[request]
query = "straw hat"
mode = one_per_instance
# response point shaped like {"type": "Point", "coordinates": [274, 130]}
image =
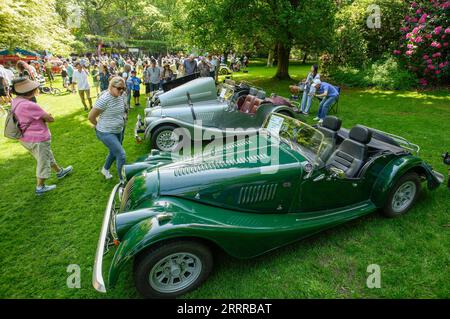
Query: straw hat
{"type": "Point", "coordinates": [25, 85]}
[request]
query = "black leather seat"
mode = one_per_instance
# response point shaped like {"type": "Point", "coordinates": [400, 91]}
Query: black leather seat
{"type": "Point", "coordinates": [330, 127]}
{"type": "Point", "coordinates": [351, 155]}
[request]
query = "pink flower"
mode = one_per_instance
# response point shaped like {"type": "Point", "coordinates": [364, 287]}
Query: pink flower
{"type": "Point", "coordinates": [436, 55]}
{"type": "Point", "coordinates": [431, 67]}
{"type": "Point", "coordinates": [429, 61]}
{"type": "Point", "coordinates": [415, 30]}
{"type": "Point", "coordinates": [428, 36]}
{"type": "Point", "coordinates": [397, 52]}
{"type": "Point", "coordinates": [419, 39]}
{"type": "Point", "coordinates": [410, 46]}
{"type": "Point", "coordinates": [409, 52]}
{"type": "Point", "coordinates": [423, 82]}
{"type": "Point", "coordinates": [426, 57]}
{"type": "Point", "coordinates": [446, 44]}
{"type": "Point", "coordinates": [447, 31]}
{"type": "Point", "coordinates": [441, 65]}
{"type": "Point", "coordinates": [409, 35]}
{"type": "Point", "coordinates": [419, 11]}
{"type": "Point", "coordinates": [423, 18]}
{"type": "Point", "coordinates": [437, 30]}
{"type": "Point", "coordinates": [438, 72]}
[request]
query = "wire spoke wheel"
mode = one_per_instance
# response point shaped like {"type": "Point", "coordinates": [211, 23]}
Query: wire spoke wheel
{"type": "Point", "coordinates": [166, 140]}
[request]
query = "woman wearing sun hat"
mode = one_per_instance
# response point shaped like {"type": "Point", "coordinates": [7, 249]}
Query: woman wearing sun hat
{"type": "Point", "coordinates": [36, 137]}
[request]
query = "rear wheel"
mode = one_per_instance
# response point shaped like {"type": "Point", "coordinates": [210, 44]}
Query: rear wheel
{"type": "Point", "coordinates": [403, 195]}
{"type": "Point", "coordinates": [172, 269]}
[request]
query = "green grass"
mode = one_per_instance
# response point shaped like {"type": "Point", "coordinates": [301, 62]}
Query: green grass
{"type": "Point", "coordinates": [40, 237]}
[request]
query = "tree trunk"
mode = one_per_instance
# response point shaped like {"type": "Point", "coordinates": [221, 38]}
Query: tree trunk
{"type": "Point", "coordinates": [270, 59]}
{"type": "Point", "coordinates": [283, 62]}
{"type": "Point", "coordinates": [304, 58]}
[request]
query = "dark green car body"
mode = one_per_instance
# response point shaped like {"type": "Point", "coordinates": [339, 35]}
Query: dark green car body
{"type": "Point", "coordinates": [245, 205]}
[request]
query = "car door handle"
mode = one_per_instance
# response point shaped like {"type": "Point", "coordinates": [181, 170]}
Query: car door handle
{"type": "Point", "coordinates": [319, 178]}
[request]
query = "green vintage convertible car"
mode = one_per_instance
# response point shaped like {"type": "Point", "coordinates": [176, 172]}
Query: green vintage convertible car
{"type": "Point", "coordinates": [249, 197]}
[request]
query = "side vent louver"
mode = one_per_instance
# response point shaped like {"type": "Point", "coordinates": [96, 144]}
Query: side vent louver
{"type": "Point", "coordinates": [256, 194]}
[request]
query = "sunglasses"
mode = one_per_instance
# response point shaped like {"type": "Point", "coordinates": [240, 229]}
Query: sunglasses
{"type": "Point", "coordinates": [120, 89]}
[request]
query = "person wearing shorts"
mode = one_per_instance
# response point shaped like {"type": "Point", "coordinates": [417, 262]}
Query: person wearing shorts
{"type": "Point", "coordinates": [36, 137]}
{"type": "Point", "coordinates": [136, 87]}
{"type": "Point", "coordinates": [80, 77]}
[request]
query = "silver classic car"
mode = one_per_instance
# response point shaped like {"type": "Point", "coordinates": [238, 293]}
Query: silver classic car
{"type": "Point", "coordinates": [205, 111]}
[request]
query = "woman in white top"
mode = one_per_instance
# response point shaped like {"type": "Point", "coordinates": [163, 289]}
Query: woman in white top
{"type": "Point", "coordinates": [308, 89]}
{"type": "Point", "coordinates": [109, 117]}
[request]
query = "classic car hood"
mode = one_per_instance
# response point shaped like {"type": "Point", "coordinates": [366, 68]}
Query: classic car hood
{"type": "Point", "coordinates": [201, 89]}
{"type": "Point", "coordinates": [242, 176]}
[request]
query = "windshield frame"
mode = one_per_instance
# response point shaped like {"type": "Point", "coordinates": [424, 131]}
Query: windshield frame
{"type": "Point", "coordinates": [312, 155]}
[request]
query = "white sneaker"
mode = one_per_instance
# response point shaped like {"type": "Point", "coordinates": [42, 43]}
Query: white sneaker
{"type": "Point", "coordinates": [106, 173]}
{"type": "Point", "coordinates": [320, 121]}
{"type": "Point", "coordinates": [316, 119]}
{"type": "Point", "coordinates": [40, 190]}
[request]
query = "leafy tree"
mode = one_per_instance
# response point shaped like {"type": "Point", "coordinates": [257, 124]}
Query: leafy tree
{"type": "Point", "coordinates": [355, 44]}
{"type": "Point", "coordinates": [33, 25]}
{"type": "Point", "coordinates": [283, 24]}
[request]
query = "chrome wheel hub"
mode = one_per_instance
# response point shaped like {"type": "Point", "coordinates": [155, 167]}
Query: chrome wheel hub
{"type": "Point", "coordinates": [404, 196]}
{"type": "Point", "coordinates": [166, 140]}
{"type": "Point", "coordinates": [175, 272]}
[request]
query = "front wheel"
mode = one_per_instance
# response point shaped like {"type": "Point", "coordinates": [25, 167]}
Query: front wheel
{"type": "Point", "coordinates": [172, 269]}
{"type": "Point", "coordinates": [165, 139]}
{"type": "Point", "coordinates": [402, 196]}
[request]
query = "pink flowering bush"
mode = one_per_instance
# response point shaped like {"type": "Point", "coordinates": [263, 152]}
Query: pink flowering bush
{"type": "Point", "coordinates": [424, 45]}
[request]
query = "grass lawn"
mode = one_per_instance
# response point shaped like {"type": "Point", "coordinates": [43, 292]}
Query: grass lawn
{"type": "Point", "coordinates": [41, 236]}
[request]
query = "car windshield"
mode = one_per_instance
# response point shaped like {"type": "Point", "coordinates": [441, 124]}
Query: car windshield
{"type": "Point", "coordinates": [300, 136]}
{"type": "Point", "coordinates": [225, 92]}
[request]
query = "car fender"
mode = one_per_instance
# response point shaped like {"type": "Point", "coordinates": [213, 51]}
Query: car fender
{"type": "Point", "coordinates": [194, 129]}
{"type": "Point", "coordinates": [395, 169]}
{"type": "Point", "coordinates": [155, 228]}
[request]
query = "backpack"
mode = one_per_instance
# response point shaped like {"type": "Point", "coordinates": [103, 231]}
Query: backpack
{"type": "Point", "coordinates": [12, 126]}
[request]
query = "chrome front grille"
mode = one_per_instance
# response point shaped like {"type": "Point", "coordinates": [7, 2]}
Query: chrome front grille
{"type": "Point", "coordinates": [126, 199]}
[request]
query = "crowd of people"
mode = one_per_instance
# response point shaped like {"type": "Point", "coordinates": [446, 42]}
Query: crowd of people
{"type": "Point", "coordinates": [117, 82]}
{"type": "Point", "coordinates": [116, 79]}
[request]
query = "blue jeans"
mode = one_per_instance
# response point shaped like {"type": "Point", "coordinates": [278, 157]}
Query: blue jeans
{"type": "Point", "coordinates": [325, 105]}
{"type": "Point", "coordinates": [154, 87]}
{"type": "Point", "coordinates": [306, 102]}
{"type": "Point", "coordinates": [113, 141]}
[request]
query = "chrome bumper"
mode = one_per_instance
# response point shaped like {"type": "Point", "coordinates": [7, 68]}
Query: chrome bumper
{"type": "Point", "coordinates": [439, 177]}
{"type": "Point", "coordinates": [97, 275]}
{"type": "Point", "coordinates": [138, 128]}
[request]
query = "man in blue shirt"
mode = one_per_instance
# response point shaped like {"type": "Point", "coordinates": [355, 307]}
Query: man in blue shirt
{"type": "Point", "coordinates": [329, 95]}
